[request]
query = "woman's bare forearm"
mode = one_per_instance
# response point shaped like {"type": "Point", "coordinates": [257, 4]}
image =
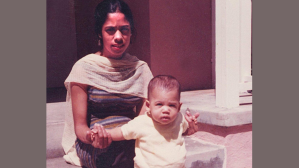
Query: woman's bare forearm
{"type": "Point", "coordinates": [79, 106]}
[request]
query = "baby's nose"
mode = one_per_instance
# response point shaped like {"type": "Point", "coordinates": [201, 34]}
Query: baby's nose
{"type": "Point", "coordinates": [166, 110]}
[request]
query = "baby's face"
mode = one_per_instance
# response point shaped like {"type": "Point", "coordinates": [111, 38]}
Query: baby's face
{"type": "Point", "coordinates": [164, 105]}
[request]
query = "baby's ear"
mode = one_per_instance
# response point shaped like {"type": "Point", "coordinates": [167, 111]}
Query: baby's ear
{"type": "Point", "coordinates": [147, 103]}
{"type": "Point", "coordinates": [147, 106]}
{"type": "Point", "coordinates": [180, 106]}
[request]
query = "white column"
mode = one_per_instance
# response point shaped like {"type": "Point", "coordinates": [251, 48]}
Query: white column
{"type": "Point", "coordinates": [227, 52]}
{"type": "Point", "coordinates": [245, 46]}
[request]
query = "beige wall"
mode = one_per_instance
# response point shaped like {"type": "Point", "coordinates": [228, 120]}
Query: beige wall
{"type": "Point", "coordinates": [173, 36]}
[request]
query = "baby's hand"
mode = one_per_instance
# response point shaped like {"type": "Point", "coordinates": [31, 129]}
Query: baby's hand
{"type": "Point", "coordinates": [99, 137]}
{"type": "Point", "coordinates": [192, 121]}
{"type": "Point", "coordinates": [92, 134]}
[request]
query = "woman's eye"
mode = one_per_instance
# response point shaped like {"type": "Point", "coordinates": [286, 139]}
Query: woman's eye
{"type": "Point", "coordinates": [110, 31]}
{"type": "Point", "coordinates": [125, 31]}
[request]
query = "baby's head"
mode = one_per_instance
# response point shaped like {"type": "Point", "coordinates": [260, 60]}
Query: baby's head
{"type": "Point", "coordinates": [164, 99]}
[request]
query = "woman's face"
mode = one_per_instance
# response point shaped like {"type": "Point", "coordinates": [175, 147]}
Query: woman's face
{"type": "Point", "coordinates": [116, 35]}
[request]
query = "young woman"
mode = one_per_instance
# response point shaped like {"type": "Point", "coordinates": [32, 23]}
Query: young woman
{"type": "Point", "coordinates": [107, 87]}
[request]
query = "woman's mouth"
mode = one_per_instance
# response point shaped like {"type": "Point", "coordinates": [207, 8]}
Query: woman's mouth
{"type": "Point", "coordinates": [117, 47]}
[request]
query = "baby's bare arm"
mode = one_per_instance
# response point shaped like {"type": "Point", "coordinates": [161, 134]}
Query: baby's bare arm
{"type": "Point", "coordinates": [116, 134]}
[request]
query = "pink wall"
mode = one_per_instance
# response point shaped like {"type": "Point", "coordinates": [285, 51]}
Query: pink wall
{"type": "Point", "coordinates": [141, 43]}
{"type": "Point", "coordinates": [85, 34]}
{"type": "Point", "coordinates": [181, 41]}
{"type": "Point", "coordinates": [236, 139]}
{"type": "Point", "coordinates": [61, 41]}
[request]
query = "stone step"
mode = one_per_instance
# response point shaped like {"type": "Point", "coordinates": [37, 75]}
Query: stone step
{"type": "Point", "coordinates": [204, 103]}
{"type": "Point", "coordinates": [54, 137]}
{"type": "Point", "coordinates": [55, 125]}
{"type": "Point", "coordinates": [58, 163]}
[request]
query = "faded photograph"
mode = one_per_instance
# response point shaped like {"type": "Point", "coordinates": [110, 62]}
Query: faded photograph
{"type": "Point", "coordinates": [149, 83]}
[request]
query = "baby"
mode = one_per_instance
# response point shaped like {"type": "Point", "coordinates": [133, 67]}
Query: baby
{"type": "Point", "coordinates": [158, 133]}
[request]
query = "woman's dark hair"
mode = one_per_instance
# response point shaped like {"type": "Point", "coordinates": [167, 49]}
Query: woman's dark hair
{"type": "Point", "coordinates": [111, 6]}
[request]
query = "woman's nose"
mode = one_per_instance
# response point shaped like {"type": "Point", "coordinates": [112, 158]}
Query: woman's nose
{"type": "Point", "coordinates": [118, 37]}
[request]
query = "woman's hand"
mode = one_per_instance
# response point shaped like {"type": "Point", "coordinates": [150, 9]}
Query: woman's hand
{"type": "Point", "coordinates": [192, 121]}
{"type": "Point", "coordinates": [99, 137]}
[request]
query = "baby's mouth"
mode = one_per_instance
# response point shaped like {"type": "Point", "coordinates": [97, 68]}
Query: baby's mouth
{"type": "Point", "coordinates": [165, 118]}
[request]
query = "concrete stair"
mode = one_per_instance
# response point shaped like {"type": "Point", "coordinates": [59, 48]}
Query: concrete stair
{"type": "Point", "coordinates": [58, 163]}
{"type": "Point", "coordinates": [199, 153]}
{"type": "Point", "coordinates": [55, 126]}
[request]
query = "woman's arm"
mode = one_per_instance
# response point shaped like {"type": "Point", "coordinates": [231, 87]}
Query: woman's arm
{"type": "Point", "coordinates": [141, 108]}
{"type": "Point", "coordinates": [79, 106]}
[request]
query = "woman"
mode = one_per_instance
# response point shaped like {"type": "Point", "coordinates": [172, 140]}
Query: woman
{"type": "Point", "coordinates": [109, 88]}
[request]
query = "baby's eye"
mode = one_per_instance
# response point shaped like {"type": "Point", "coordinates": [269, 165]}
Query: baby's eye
{"type": "Point", "coordinates": [159, 104]}
{"type": "Point", "coordinates": [172, 105]}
